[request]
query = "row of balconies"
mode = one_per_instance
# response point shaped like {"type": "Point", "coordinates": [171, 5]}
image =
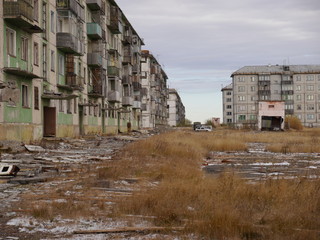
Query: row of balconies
{"type": "Point", "coordinates": [21, 14]}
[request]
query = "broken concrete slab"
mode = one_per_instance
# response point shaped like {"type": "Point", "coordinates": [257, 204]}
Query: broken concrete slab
{"type": "Point", "coordinates": [33, 148]}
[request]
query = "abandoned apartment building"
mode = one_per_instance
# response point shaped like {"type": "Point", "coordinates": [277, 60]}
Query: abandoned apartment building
{"type": "Point", "coordinates": [261, 96]}
{"type": "Point", "coordinates": [75, 67]}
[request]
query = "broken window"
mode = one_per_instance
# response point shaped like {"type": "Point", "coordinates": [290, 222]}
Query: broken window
{"type": "Point", "coordinates": [24, 48]}
{"type": "Point", "coordinates": [299, 107]}
{"type": "Point", "coordinates": [36, 54]}
{"type": "Point", "coordinates": [11, 42]}
{"type": "Point", "coordinates": [36, 98]}
{"type": "Point", "coordinates": [25, 96]}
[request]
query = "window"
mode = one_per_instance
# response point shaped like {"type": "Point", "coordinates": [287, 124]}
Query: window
{"type": "Point", "coordinates": [229, 93]}
{"type": "Point", "coordinates": [310, 88]}
{"type": "Point", "coordinates": [264, 78]}
{"type": "Point", "coordinates": [286, 77]}
{"type": "Point", "coordinates": [229, 106]}
{"type": "Point", "coordinates": [61, 64]}
{"type": "Point", "coordinates": [253, 88]}
{"type": "Point", "coordinates": [287, 97]}
{"type": "Point", "coordinates": [271, 106]}
{"type": "Point", "coordinates": [298, 78]}
{"type": "Point", "coordinates": [288, 106]}
{"type": "Point", "coordinates": [61, 108]}
{"type": "Point", "coordinates": [253, 117]}
{"type": "Point", "coordinates": [36, 54]}
{"type": "Point", "coordinates": [242, 108]}
{"type": "Point", "coordinates": [36, 98]}
{"type": "Point", "coordinates": [252, 79]}
{"type": "Point", "coordinates": [310, 77]}
{"type": "Point", "coordinates": [52, 20]}
{"type": "Point", "coordinates": [44, 19]}
{"type": "Point", "coordinates": [11, 42]}
{"type": "Point", "coordinates": [75, 106]}
{"type": "Point", "coordinates": [298, 87]}
{"type": "Point", "coordinates": [229, 120]}
{"type": "Point", "coordinates": [52, 61]}
{"type": "Point", "coordinates": [229, 113]}
{"type": "Point", "coordinates": [242, 117]}
{"type": "Point", "coordinates": [228, 99]}
{"type": "Point", "coordinates": [253, 107]}
{"type": "Point", "coordinates": [310, 97]}
{"type": "Point", "coordinates": [299, 107]}
{"type": "Point", "coordinates": [35, 10]}
{"type": "Point", "coordinates": [253, 98]}
{"type": "Point", "coordinates": [240, 79]}
{"type": "Point", "coordinates": [241, 98]}
{"type": "Point", "coordinates": [299, 116]}
{"type": "Point", "coordinates": [25, 96]}
{"type": "Point", "coordinates": [287, 87]}
{"type": "Point", "coordinates": [310, 107]}
{"type": "Point", "coordinates": [44, 60]}
{"type": "Point", "coordinates": [24, 48]}
{"type": "Point", "coordinates": [241, 89]}
{"type": "Point", "coordinates": [299, 97]}
{"type": "Point", "coordinates": [310, 116]}
{"type": "Point", "coordinates": [69, 106]}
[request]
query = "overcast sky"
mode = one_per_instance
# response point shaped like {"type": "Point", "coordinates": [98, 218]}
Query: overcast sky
{"type": "Point", "coordinates": [199, 43]}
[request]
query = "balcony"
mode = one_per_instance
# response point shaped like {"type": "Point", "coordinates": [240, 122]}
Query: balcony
{"type": "Point", "coordinates": [115, 24]}
{"type": "Point", "coordinates": [20, 13]}
{"type": "Point", "coordinates": [68, 43]}
{"type": "Point", "coordinates": [127, 39]}
{"type": "Point", "coordinates": [71, 5]}
{"type": "Point", "coordinates": [264, 92]}
{"type": "Point", "coordinates": [26, 73]}
{"type": "Point", "coordinates": [288, 111]}
{"type": "Point", "coordinates": [127, 101]}
{"type": "Point", "coordinates": [287, 82]}
{"type": "Point", "coordinates": [136, 68]}
{"type": "Point", "coordinates": [136, 86]}
{"type": "Point", "coordinates": [94, 59]}
{"type": "Point", "coordinates": [114, 96]}
{"type": "Point", "coordinates": [127, 80]}
{"type": "Point", "coordinates": [94, 4]}
{"type": "Point", "coordinates": [74, 81]}
{"type": "Point", "coordinates": [113, 71]}
{"type": "Point", "coordinates": [94, 31]}
{"type": "Point", "coordinates": [287, 92]}
{"type": "Point", "coordinates": [136, 105]}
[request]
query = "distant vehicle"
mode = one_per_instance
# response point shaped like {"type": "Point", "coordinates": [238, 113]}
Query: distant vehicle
{"type": "Point", "coordinates": [204, 129]}
{"type": "Point", "coordinates": [196, 125]}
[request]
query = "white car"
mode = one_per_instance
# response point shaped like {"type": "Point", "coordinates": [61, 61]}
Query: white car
{"type": "Point", "coordinates": [204, 129]}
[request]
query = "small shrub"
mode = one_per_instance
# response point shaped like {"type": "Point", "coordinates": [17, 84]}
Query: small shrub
{"type": "Point", "coordinates": [292, 122]}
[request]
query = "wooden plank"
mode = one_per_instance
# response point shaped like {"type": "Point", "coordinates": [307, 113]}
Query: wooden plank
{"type": "Point", "coordinates": [130, 229]}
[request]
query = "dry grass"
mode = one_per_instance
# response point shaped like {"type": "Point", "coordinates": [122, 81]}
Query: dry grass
{"type": "Point", "coordinates": [223, 207]}
{"type": "Point", "coordinates": [179, 194]}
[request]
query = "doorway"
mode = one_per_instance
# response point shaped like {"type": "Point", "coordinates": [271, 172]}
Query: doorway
{"type": "Point", "coordinates": [49, 121]}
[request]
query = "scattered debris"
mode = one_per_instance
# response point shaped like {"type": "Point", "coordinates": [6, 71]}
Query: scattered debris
{"type": "Point", "coordinates": [9, 170]}
{"type": "Point", "coordinates": [33, 148]}
{"type": "Point", "coordinates": [130, 229]}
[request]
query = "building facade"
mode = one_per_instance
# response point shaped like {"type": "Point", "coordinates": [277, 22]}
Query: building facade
{"type": "Point", "coordinates": [69, 68]}
{"type": "Point", "coordinates": [176, 109]}
{"type": "Point", "coordinates": [154, 92]}
{"type": "Point", "coordinates": [297, 85]}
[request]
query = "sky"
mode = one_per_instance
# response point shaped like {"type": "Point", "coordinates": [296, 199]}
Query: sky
{"type": "Point", "coordinates": [201, 43]}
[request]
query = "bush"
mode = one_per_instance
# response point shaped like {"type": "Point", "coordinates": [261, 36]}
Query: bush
{"type": "Point", "coordinates": [292, 122]}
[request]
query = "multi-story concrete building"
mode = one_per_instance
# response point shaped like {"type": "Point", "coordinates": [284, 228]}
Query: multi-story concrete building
{"type": "Point", "coordinates": [68, 68]}
{"type": "Point", "coordinates": [176, 109]}
{"type": "Point", "coordinates": [297, 85]}
{"type": "Point", "coordinates": [227, 104]}
{"type": "Point", "coordinates": [154, 92]}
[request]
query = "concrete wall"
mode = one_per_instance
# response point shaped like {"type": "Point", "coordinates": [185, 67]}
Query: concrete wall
{"type": "Point", "coordinates": [271, 109]}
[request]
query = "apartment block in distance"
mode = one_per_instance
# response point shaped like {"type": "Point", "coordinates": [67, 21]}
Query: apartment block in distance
{"type": "Point", "coordinates": [70, 68]}
{"type": "Point", "coordinates": [298, 86]}
{"type": "Point", "coordinates": [154, 92]}
{"type": "Point", "coordinates": [176, 108]}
